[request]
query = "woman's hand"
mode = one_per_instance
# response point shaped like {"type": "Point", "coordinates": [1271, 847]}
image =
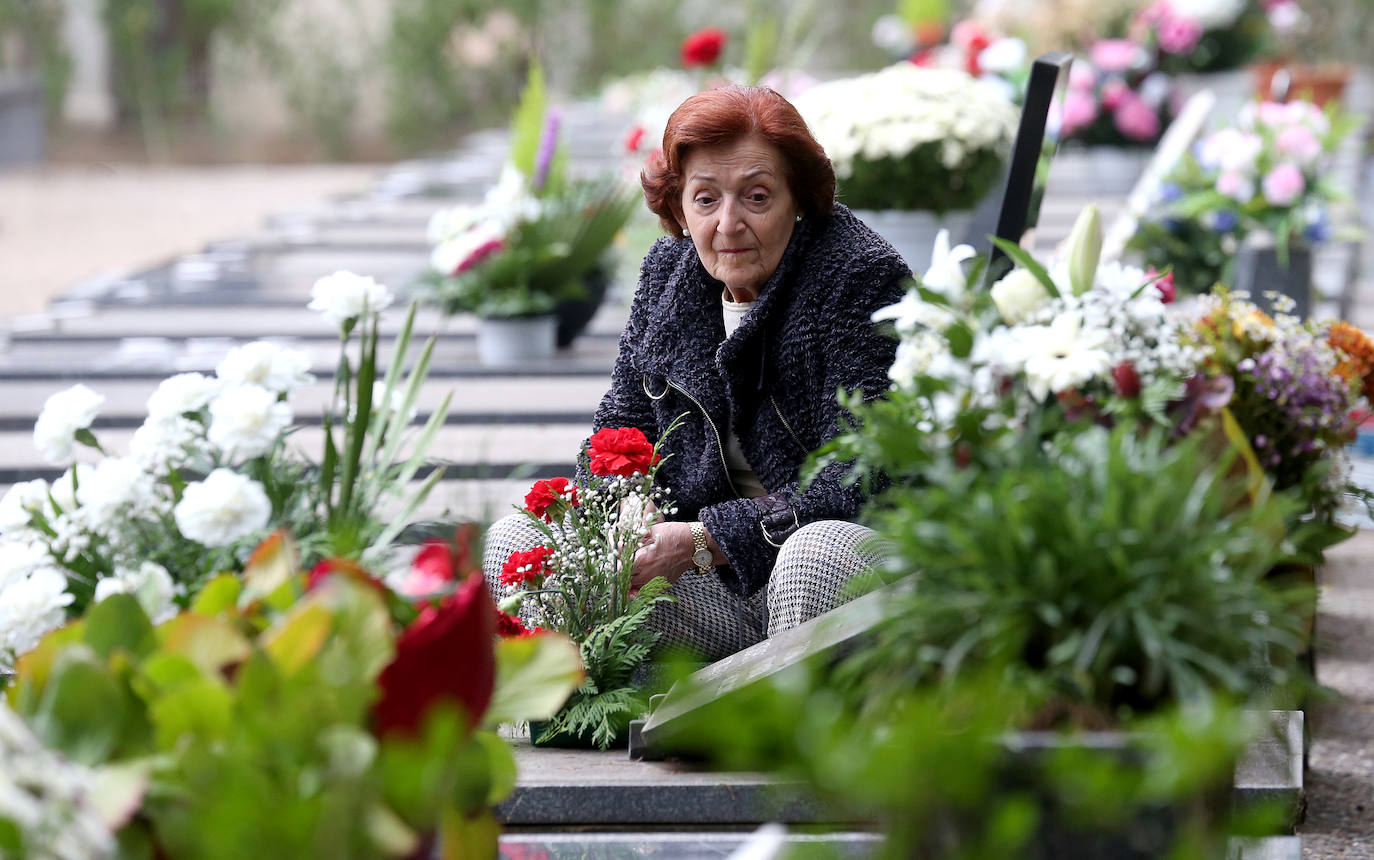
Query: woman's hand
{"type": "Point", "coordinates": [666, 552]}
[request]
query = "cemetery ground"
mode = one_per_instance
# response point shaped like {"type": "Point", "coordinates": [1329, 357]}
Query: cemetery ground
{"type": "Point", "coordinates": [119, 276]}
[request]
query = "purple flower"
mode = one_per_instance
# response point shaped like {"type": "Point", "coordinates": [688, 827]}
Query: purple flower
{"type": "Point", "coordinates": [548, 146]}
{"type": "Point", "coordinates": [1169, 192]}
{"type": "Point", "coordinates": [1224, 221]}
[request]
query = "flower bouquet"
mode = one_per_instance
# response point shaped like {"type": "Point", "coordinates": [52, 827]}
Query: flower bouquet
{"type": "Point", "coordinates": [974, 47]}
{"type": "Point", "coordinates": [323, 715]}
{"type": "Point", "coordinates": [578, 581]}
{"type": "Point", "coordinates": [1202, 35]}
{"type": "Point", "coordinates": [211, 471]}
{"type": "Point", "coordinates": [537, 235]}
{"type": "Point", "coordinates": [1261, 179]}
{"type": "Point", "coordinates": [911, 138]}
{"type": "Point", "coordinates": [1116, 97]}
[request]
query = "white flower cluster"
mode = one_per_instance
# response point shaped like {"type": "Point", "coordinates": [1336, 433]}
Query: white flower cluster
{"type": "Point", "coordinates": [464, 235]}
{"type": "Point", "coordinates": [343, 296]}
{"type": "Point", "coordinates": [889, 113]}
{"type": "Point", "coordinates": [47, 798]}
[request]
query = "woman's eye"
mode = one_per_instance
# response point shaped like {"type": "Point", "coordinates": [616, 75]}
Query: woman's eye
{"type": "Point", "coordinates": [705, 200]}
{"type": "Point", "coordinates": [758, 197]}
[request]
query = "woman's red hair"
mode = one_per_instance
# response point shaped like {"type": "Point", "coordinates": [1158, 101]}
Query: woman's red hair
{"type": "Point", "coordinates": [721, 117]}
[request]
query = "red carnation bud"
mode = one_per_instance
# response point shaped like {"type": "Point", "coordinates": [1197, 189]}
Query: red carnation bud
{"type": "Point", "coordinates": [445, 655]}
{"type": "Point", "coordinates": [1127, 380]}
{"type": "Point", "coordinates": [703, 47]}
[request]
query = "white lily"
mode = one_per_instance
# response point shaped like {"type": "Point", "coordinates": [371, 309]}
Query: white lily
{"type": "Point", "coordinates": [1084, 249]}
{"type": "Point", "coordinates": [946, 273]}
{"type": "Point", "coordinates": [1063, 354]}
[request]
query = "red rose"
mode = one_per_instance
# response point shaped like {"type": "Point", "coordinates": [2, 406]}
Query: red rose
{"type": "Point", "coordinates": [1127, 380]}
{"type": "Point", "coordinates": [703, 47]}
{"type": "Point", "coordinates": [1167, 291]}
{"type": "Point", "coordinates": [342, 567]}
{"type": "Point", "coordinates": [554, 493]}
{"type": "Point", "coordinates": [620, 451]}
{"type": "Point", "coordinates": [523, 567]}
{"type": "Point", "coordinates": [446, 654]}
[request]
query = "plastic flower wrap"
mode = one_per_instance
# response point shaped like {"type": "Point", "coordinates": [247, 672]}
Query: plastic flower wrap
{"type": "Point", "coordinates": [1116, 96]}
{"type": "Point", "coordinates": [908, 137]}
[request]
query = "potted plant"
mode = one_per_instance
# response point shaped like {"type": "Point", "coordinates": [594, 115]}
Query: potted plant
{"type": "Point", "coordinates": [1257, 189]}
{"type": "Point", "coordinates": [913, 148]}
{"type": "Point", "coordinates": [530, 251]}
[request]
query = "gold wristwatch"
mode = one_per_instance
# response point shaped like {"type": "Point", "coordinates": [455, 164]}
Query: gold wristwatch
{"type": "Point", "coordinates": [701, 553]}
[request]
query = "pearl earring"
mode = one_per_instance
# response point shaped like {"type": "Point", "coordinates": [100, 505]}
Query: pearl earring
{"type": "Point", "coordinates": [686, 232]}
{"type": "Point", "coordinates": [798, 217]}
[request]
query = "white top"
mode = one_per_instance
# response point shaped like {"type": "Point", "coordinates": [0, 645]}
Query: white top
{"type": "Point", "coordinates": [741, 473]}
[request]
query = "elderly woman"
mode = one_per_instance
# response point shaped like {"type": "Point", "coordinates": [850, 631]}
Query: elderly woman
{"type": "Point", "coordinates": [748, 318]}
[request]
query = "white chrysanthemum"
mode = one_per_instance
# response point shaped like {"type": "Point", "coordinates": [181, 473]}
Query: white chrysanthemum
{"type": "Point", "coordinates": [247, 420]}
{"type": "Point", "coordinates": [64, 413]}
{"type": "Point", "coordinates": [267, 364]}
{"type": "Point", "coordinates": [116, 487]}
{"type": "Point", "coordinates": [1062, 355]}
{"type": "Point", "coordinates": [21, 502]}
{"type": "Point", "coordinates": [32, 607]}
{"type": "Point", "coordinates": [177, 395]}
{"type": "Point", "coordinates": [224, 508]}
{"type": "Point", "coordinates": [343, 296]}
{"type": "Point", "coordinates": [150, 584]}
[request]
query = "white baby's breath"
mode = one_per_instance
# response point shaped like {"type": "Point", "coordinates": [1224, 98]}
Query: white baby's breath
{"type": "Point", "coordinates": [64, 414]}
{"type": "Point", "coordinates": [247, 420]}
{"type": "Point", "coordinates": [116, 488]}
{"type": "Point", "coordinates": [224, 508]}
{"type": "Point", "coordinates": [344, 295]}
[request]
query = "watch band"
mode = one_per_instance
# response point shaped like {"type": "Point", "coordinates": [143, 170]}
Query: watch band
{"type": "Point", "coordinates": [701, 553]}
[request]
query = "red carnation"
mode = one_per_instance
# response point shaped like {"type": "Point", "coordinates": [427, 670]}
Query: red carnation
{"type": "Point", "coordinates": [523, 567]}
{"type": "Point", "coordinates": [511, 627]}
{"type": "Point", "coordinates": [446, 654]}
{"type": "Point", "coordinates": [620, 451]}
{"type": "Point", "coordinates": [1127, 380]}
{"type": "Point", "coordinates": [439, 563]}
{"type": "Point", "coordinates": [703, 47]}
{"type": "Point", "coordinates": [555, 493]}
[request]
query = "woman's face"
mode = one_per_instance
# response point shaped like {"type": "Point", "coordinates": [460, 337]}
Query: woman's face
{"type": "Point", "coordinates": [739, 211]}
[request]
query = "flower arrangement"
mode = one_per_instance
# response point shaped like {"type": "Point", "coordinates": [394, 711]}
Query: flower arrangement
{"type": "Point", "coordinates": [912, 138]}
{"type": "Point", "coordinates": [536, 235]}
{"type": "Point", "coordinates": [322, 714]}
{"type": "Point", "coordinates": [1203, 35]}
{"type": "Point", "coordinates": [211, 471]}
{"type": "Point", "coordinates": [578, 581]}
{"type": "Point", "coordinates": [1116, 96]}
{"type": "Point", "coordinates": [974, 47]}
{"type": "Point", "coordinates": [1262, 176]}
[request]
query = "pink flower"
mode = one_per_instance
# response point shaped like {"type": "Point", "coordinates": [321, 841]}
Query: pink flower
{"type": "Point", "coordinates": [1236, 185]}
{"type": "Point", "coordinates": [1178, 34]}
{"type": "Point", "coordinates": [1080, 109]}
{"type": "Point", "coordinates": [1082, 78]}
{"type": "Point", "coordinates": [1273, 113]}
{"type": "Point", "coordinates": [1284, 184]}
{"type": "Point", "coordinates": [1135, 119]}
{"type": "Point", "coordinates": [1115, 55]}
{"type": "Point", "coordinates": [1113, 91]}
{"type": "Point", "coordinates": [1298, 142]}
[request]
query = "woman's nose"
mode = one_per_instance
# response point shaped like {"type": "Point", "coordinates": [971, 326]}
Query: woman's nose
{"type": "Point", "coordinates": [730, 220]}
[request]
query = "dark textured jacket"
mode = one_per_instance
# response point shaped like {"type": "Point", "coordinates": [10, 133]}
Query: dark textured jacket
{"type": "Point", "coordinates": [773, 381]}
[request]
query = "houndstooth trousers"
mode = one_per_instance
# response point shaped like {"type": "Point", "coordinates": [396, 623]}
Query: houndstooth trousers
{"type": "Point", "coordinates": [809, 578]}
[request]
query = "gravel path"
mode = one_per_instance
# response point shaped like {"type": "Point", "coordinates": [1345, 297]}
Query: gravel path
{"type": "Point", "coordinates": [65, 224]}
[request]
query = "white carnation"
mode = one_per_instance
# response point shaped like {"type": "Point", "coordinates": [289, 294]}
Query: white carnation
{"type": "Point", "coordinates": [64, 414]}
{"type": "Point", "coordinates": [267, 364]}
{"type": "Point", "coordinates": [222, 509]}
{"type": "Point", "coordinates": [32, 607]}
{"type": "Point", "coordinates": [343, 296]}
{"type": "Point", "coordinates": [150, 584]}
{"type": "Point", "coordinates": [247, 420]}
{"type": "Point", "coordinates": [117, 486]}
{"type": "Point", "coordinates": [21, 502]}
{"type": "Point", "coordinates": [20, 558]}
{"type": "Point", "coordinates": [177, 395]}
{"type": "Point", "coordinates": [64, 488]}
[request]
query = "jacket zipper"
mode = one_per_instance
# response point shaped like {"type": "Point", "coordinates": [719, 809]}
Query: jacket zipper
{"type": "Point", "coordinates": [783, 419]}
{"type": "Point", "coordinates": [719, 446]}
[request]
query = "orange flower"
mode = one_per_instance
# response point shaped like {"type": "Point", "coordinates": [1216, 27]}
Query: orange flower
{"type": "Point", "coordinates": [1358, 351]}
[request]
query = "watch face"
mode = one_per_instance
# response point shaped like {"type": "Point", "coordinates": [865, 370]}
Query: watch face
{"type": "Point", "coordinates": [701, 558]}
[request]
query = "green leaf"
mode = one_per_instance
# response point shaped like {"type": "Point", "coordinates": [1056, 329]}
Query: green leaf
{"type": "Point", "coordinates": [202, 709]}
{"type": "Point", "coordinates": [273, 563]}
{"type": "Point", "coordinates": [527, 125]}
{"type": "Point", "coordinates": [500, 766]}
{"type": "Point", "coordinates": [118, 790]}
{"type": "Point", "coordinates": [83, 709]}
{"type": "Point", "coordinates": [218, 595]}
{"type": "Point", "coordinates": [328, 468]}
{"type": "Point", "coordinates": [298, 638]}
{"type": "Point", "coordinates": [1023, 259]}
{"type": "Point", "coordinates": [534, 677]}
{"type": "Point", "coordinates": [211, 643]}
{"type": "Point", "coordinates": [119, 623]}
